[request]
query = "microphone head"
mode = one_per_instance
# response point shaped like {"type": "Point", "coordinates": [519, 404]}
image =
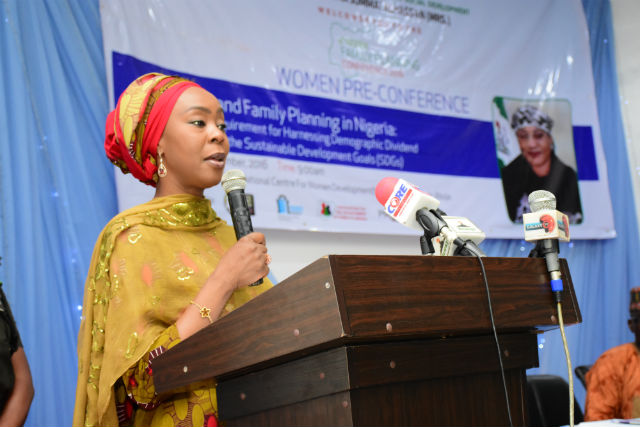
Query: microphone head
{"type": "Point", "coordinates": [542, 200]}
{"type": "Point", "coordinates": [401, 200]}
{"type": "Point", "coordinates": [385, 188]}
{"type": "Point", "coordinates": [233, 179]}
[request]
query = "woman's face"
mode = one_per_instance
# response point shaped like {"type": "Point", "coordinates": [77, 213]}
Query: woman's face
{"type": "Point", "coordinates": [536, 146]}
{"type": "Point", "coordinates": [194, 145]}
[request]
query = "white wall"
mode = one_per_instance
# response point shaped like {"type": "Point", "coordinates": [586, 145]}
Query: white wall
{"type": "Point", "coordinates": [293, 250]}
{"type": "Point", "coordinates": [626, 15]}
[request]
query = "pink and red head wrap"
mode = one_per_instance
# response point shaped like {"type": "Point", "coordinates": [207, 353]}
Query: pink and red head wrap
{"type": "Point", "coordinates": [135, 126]}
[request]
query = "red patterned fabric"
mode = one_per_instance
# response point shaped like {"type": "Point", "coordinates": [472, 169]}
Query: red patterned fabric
{"type": "Point", "coordinates": [135, 126]}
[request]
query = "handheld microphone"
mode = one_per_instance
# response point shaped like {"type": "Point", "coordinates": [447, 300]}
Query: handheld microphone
{"type": "Point", "coordinates": [545, 225]}
{"type": "Point", "coordinates": [234, 183]}
{"type": "Point", "coordinates": [416, 209]}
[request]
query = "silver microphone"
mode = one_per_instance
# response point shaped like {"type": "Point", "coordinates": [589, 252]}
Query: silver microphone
{"type": "Point", "coordinates": [545, 201]}
{"type": "Point", "coordinates": [542, 199]}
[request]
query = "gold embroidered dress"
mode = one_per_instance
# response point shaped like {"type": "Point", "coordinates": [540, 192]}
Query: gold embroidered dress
{"type": "Point", "coordinates": [149, 262]}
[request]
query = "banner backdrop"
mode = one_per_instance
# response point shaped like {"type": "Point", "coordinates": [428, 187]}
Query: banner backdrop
{"type": "Point", "coordinates": [324, 98]}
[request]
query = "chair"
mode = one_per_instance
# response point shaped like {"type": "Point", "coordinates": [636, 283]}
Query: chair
{"type": "Point", "coordinates": [581, 373]}
{"type": "Point", "coordinates": [548, 403]}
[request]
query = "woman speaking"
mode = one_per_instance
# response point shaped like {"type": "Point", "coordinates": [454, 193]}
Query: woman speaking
{"type": "Point", "coordinates": [165, 269]}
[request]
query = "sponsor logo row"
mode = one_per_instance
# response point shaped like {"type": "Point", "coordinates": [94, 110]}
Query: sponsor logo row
{"type": "Point", "coordinates": [323, 208]}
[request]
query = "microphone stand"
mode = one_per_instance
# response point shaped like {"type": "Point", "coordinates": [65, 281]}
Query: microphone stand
{"type": "Point", "coordinates": [429, 224]}
{"type": "Point", "coordinates": [426, 246]}
{"type": "Point", "coordinates": [544, 247]}
{"type": "Point", "coordinates": [433, 224]}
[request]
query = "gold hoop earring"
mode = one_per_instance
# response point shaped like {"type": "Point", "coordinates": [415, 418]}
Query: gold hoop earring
{"type": "Point", "coordinates": [162, 169]}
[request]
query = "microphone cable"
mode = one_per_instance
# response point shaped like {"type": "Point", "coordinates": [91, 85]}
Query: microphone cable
{"type": "Point", "coordinates": [495, 335]}
{"type": "Point", "coordinates": [541, 200]}
{"type": "Point", "coordinates": [429, 232]}
{"type": "Point", "coordinates": [541, 251]}
{"type": "Point", "coordinates": [567, 356]}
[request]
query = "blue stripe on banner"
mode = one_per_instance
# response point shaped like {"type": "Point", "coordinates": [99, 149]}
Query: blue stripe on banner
{"type": "Point", "coordinates": [300, 127]}
{"type": "Point", "coordinates": [585, 153]}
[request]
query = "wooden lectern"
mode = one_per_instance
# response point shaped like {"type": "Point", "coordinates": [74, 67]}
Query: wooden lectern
{"type": "Point", "coordinates": [377, 340]}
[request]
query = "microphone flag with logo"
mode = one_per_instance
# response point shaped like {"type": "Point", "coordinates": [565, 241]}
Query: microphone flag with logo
{"type": "Point", "coordinates": [413, 208]}
{"type": "Point", "coordinates": [545, 225]}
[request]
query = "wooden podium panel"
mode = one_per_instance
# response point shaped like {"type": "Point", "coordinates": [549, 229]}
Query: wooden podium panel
{"type": "Point", "coordinates": [416, 376]}
{"type": "Point", "coordinates": [426, 403]}
{"type": "Point", "coordinates": [350, 315]}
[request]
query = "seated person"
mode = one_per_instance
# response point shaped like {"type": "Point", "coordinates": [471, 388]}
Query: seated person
{"type": "Point", "coordinates": [613, 383]}
{"type": "Point", "coordinates": [16, 386]}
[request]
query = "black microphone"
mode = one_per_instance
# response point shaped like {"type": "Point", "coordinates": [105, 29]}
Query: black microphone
{"type": "Point", "coordinates": [234, 183]}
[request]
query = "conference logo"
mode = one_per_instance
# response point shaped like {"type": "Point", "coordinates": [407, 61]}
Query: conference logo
{"type": "Point", "coordinates": [285, 208]}
{"type": "Point", "coordinates": [358, 51]}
